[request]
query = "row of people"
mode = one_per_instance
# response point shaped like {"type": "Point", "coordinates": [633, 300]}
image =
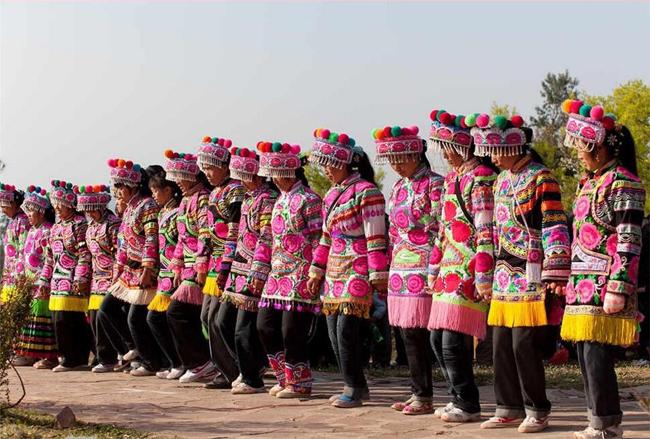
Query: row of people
{"type": "Point", "coordinates": [254, 260]}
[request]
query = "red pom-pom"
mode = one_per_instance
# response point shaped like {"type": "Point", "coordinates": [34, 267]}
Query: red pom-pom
{"type": "Point", "coordinates": [482, 120]}
{"type": "Point", "coordinates": [244, 152]}
{"type": "Point", "coordinates": [251, 154]}
{"type": "Point", "coordinates": [597, 112]}
{"type": "Point", "coordinates": [608, 123]}
{"type": "Point", "coordinates": [233, 150]}
{"type": "Point", "coordinates": [445, 118]}
{"type": "Point", "coordinates": [62, 184]}
{"type": "Point", "coordinates": [295, 149]}
{"type": "Point", "coordinates": [31, 188]}
{"type": "Point", "coordinates": [75, 189]}
{"type": "Point", "coordinates": [414, 130]}
{"type": "Point", "coordinates": [129, 164]}
{"type": "Point", "coordinates": [227, 143]}
{"type": "Point", "coordinates": [462, 123]}
{"type": "Point", "coordinates": [386, 133]}
{"type": "Point", "coordinates": [517, 121]}
{"type": "Point", "coordinates": [286, 148]}
{"type": "Point", "coordinates": [433, 115]}
{"type": "Point", "coordinates": [325, 133]}
{"type": "Point", "coordinates": [344, 139]}
{"type": "Point", "coordinates": [207, 139]}
{"type": "Point", "coordinates": [176, 155]}
{"type": "Point", "coordinates": [575, 106]}
{"type": "Point", "coordinates": [220, 142]}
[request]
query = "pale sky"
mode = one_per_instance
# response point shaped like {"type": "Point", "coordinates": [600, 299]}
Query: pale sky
{"type": "Point", "coordinates": [80, 83]}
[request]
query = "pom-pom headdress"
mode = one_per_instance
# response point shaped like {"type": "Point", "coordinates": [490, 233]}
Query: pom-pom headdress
{"type": "Point", "coordinates": [397, 144]}
{"type": "Point", "coordinates": [36, 199]}
{"type": "Point", "coordinates": [7, 194]}
{"type": "Point", "coordinates": [181, 166]}
{"type": "Point", "coordinates": [497, 134]}
{"type": "Point", "coordinates": [450, 133]}
{"type": "Point", "coordinates": [214, 152]}
{"type": "Point", "coordinates": [244, 164]}
{"type": "Point", "coordinates": [92, 197]}
{"type": "Point", "coordinates": [125, 172]}
{"type": "Point", "coordinates": [333, 149]}
{"type": "Point", "coordinates": [62, 194]}
{"type": "Point", "coordinates": [587, 126]}
{"type": "Point", "coordinates": [279, 159]}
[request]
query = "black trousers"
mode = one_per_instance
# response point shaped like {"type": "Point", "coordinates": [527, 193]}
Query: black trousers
{"type": "Point", "coordinates": [185, 324]}
{"type": "Point", "coordinates": [116, 312]}
{"type": "Point", "coordinates": [345, 336]}
{"type": "Point", "coordinates": [105, 353]}
{"type": "Point", "coordinates": [159, 327]}
{"type": "Point", "coordinates": [420, 359]}
{"type": "Point", "coordinates": [73, 337]}
{"type": "Point", "coordinates": [221, 355]}
{"type": "Point", "coordinates": [453, 350]}
{"type": "Point", "coordinates": [519, 381]}
{"type": "Point", "coordinates": [113, 333]}
{"type": "Point", "coordinates": [250, 354]}
{"type": "Point", "coordinates": [601, 386]}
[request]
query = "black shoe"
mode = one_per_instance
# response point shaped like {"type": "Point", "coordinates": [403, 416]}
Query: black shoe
{"type": "Point", "coordinates": [219, 382]}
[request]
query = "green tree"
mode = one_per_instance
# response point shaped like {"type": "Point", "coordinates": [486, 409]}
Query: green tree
{"type": "Point", "coordinates": [502, 110]}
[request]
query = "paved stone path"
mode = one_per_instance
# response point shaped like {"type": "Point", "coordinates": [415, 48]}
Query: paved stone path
{"type": "Point", "coordinates": [169, 409]}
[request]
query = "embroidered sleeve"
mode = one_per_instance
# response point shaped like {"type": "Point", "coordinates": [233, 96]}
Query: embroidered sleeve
{"type": "Point", "coordinates": [261, 265]}
{"type": "Point", "coordinates": [372, 208]}
{"type": "Point", "coordinates": [393, 236]}
{"type": "Point", "coordinates": [322, 251]}
{"type": "Point", "coordinates": [178, 259]}
{"type": "Point", "coordinates": [232, 215]}
{"type": "Point", "coordinates": [150, 228]}
{"type": "Point", "coordinates": [627, 199]}
{"type": "Point", "coordinates": [23, 228]}
{"type": "Point", "coordinates": [113, 233]}
{"type": "Point", "coordinates": [204, 238]}
{"type": "Point", "coordinates": [46, 273]}
{"type": "Point", "coordinates": [313, 219]}
{"type": "Point", "coordinates": [556, 244]}
{"type": "Point", "coordinates": [120, 255]}
{"type": "Point", "coordinates": [82, 271]}
{"type": "Point", "coordinates": [482, 197]}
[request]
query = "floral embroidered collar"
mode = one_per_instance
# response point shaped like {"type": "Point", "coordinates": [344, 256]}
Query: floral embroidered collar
{"type": "Point", "coordinates": [467, 166]}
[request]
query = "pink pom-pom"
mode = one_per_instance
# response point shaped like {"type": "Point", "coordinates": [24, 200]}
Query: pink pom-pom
{"type": "Point", "coordinates": [295, 149]}
{"type": "Point", "coordinates": [325, 133]}
{"type": "Point", "coordinates": [227, 143]}
{"type": "Point", "coordinates": [517, 121]}
{"type": "Point", "coordinates": [575, 106]}
{"type": "Point", "coordinates": [482, 120]}
{"type": "Point", "coordinates": [597, 112]}
{"type": "Point", "coordinates": [233, 150]}
{"type": "Point", "coordinates": [252, 154]}
{"type": "Point", "coordinates": [43, 192]}
{"type": "Point", "coordinates": [344, 139]}
{"type": "Point", "coordinates": [286, 148]}
{"type": "Point", "coordinates": [414, 130]}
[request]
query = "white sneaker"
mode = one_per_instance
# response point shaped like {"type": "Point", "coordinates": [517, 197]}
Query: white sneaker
{"type": "Point", "coordinates": [533, 425]}
{"type": "Point", "coordinates": [62, 368]}
{"type": "Point", "coordinates": [103, 368]}
{"type": "Point", "coordinates": [500, 422]}
{"type": "Point", "coordinates": [245, 389]}
{"type": "Point", "coordinates": [614, 432]}
{"type": "Point", "coordinates": [442, 410]}
{"type": "Point", "coordinates": [202, 373]}
{"type": "Point", "coordinates": [175, 374]}
{"type": "Point", "coordinates": [142, 372]}
{"type": "Point", "coordinates": [459, 415]}
{"type": "Point", "coordinates": [162, 374]}
{"type": "Point", "coordinates": [131, 355]}
{"type": "Point", "coordinates": [237, 381]}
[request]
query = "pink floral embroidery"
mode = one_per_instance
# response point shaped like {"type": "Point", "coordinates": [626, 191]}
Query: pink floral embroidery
{"type": "Point", "coordinates": [271, 286]}
{"type": "Point", "coordinates": [415, 283]}
{"type": "Point", "coordinates": [460, 231]}
{"type": "Point", "coordinates": [502, 280]}
{"type": "Point", "coordinates": [633, 269]}
{"type": "Point", "coordinates": [277, 224]}
{"type": "Point", "coordinates": [484, 262]}
{"type": "Point", "coordinates": [450, 210]}
{"type": "Point", "coordinates": [452, 280]}
{"type": "Point", "coordinates": [338, 246]}
{"type": "Point", "coordinates": [585, 288]}
{"type": "Point", "coordinates": [401, 195]}
{"type": "Point", "coordinates": [570, 294]}
{"type": "Point", "coordinates": [611, 243]}
{"type": "Point", "coordinates": [581, 209]}
{"type": "Point", "coordinates": [396, 283]}
{"type": "Point", "coordinates": [360, 246]}
{"type": "Point", "coordinates": [358, 287]}
{"type": "Point", "coordinates": [291, 242]}
{"type": "Point", "coordinates": [589, 236]}
{"type": "Point", "coordinates": [616, 265]}
{"type": "Point", "coordinates": [418, 237]}
{"type": "Point", "coordinates": [360, 265]}
{"type": "Point", "coordinates": [502, 213]}
{"type": "Point", "coordinates": [337, 288]}
{"type": "Point", "coordinates": [436, 255]}
{"type": "Point", "coordinates": [284, 285]}
{"type": "Point", "coordinates": [401, 219]}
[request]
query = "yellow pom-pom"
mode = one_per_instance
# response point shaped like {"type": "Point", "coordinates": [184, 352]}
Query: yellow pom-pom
{"type": "Point", "coordinates": [566, 105]}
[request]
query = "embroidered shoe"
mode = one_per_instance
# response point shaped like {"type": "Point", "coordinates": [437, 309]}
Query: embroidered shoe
{"type": "Point", "coordinates": [44, 364]}
{"type": "Point", "coordinates": [103, 368]}
{"type": "Point", "coordinates": [442, 410]}
{"type": "Point", "coordinates": [276, 389]}
{"type": "Point", "coordinates": [456, 414]}
{"type": "Point", "coordinates": [399, 406]}
{"type": "Point", "coordinates": [62, 368]}
{"type": "Point", "coordinates": [142, 372]}
{"type": "Point", "coordinates": [175, 373]}
{"type": "Point", "coordinates": [613, 432]}
{"type": "Point", "coordinates": [418, 408]}
{"type": "Point", "coordinates": [162, 374]}
{"type": "Point", "coordinates": [500, 422]}
{"type": "Point", "coordinates": [533, 425]}
{"type": "Point", "coordinates": [345, 402]}
{"type": "Point", "coordinates": [244, 389]}
{"type": "Point", "coordinates": [205, 372]}
{"type": "Point", "coordinates": [22, 361]}
{"type": "Point", "coordinates": [289, 392]}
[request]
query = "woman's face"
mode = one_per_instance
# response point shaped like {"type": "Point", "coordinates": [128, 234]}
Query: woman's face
{"type": "Point", "coordinates": [454, 159]}
{"type": "Point", "coordinates": [505, 162]}
{"type": "Point", "coordinates": [216, 174]}
{"type": "Point", "coordinates": [284, 183]}
{"type": "Point", "coordinates": [186, 185]}
{"type": "Point", "coordinates": [63, 211]}
{"type": "Point", "coordinates": [95, 215]}
{"type": "Point", "coordinates": [253, 184]}
{"type": "Point", "coordinates": [407, 168]}
{"type": "Point", "coordinates": [10, 210]}
{"type": "Point", "coordinates": [594, 159]}
{"type": "Point", "coordinates": [35, 217]}
{"type": "Point", "coordinates": [124, 193]}
{"type": "Point", "coordinates": [335, 175]}
{"type": "Point", "coordinates": [162, 195]}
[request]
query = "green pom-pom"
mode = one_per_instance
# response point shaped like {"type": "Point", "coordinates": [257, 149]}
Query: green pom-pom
{"type": "Point", "coordinates": [181, 155]}
{"type": "Point", "coordinates": [500, 121]}
{"type": "Point", "coordinates": [470, 120]}
{"type": "Point", "coordinates": [611, 116]}
{"type": "Point", "coordinates": [585, 110]}
{"type": "Point", "coordinates": [82, 189]}
{"type": "Point", "coordinates": [334, 137]}
{"type": "Point", "coordinates": [215, 139]}
{"type": "Point", "coordinates": [396, 131]}
{"type": "Point", "coordinates": [276, 147]}
{"type": "Point", "coordinates": [374, 133]}
{"type": "Point", "coordinates": [68, 186]}
{"type": "Point", "coordinates": [351, 142]}
{"type": "Point", "coordinates": [440, 112]}
{"type": "Point", "coordinates": [458, 119]}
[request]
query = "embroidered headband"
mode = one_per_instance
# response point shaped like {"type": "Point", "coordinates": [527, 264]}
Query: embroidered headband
{"type": "Point", "coordinates": [91, 197]}
{"type": "Point", "coordinates": [333, 149]}
{"type": "Point", "coordinates": [62, 194]}
{"type": "Point", "coordinates": [450, 132]}
{"type": "Point", "coordinates": [214, 152]}
{"type": "Point", "coordinates": [279, 159]}
{"type": "Point", "coordinates": [397, 144]}
{"type": "Point", "coordinates": [587, 126]}
{"type": "Point", "coordinates": [497, 135]}
{"type": "Point", "coordinates": [180, 166]}
{"type": "Point", "coordinates": [125, 172]}
{"type": "Point", "coordinates": [244, 164]}
{"type": "Point", "coordinates": [7, 194]}
{"type": "Point", "coordinates": [36, 199]}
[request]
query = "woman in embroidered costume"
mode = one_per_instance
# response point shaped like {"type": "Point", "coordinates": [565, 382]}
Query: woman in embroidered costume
{"type": "Point", "coordinates": [532, 260]}
{"type": "Point", "coordinates": [601, 302]}
{"type": "Point", "coordinates": [350, 259]}
{"type": "Point", "coordinates": [287, 307]}
{"type": "Point", "coordinates": [167, 195]}
{"type": "Point", "coordinates": [462, 264]}
{"type": "Point", "coordinates": [225, 210]}
{"type": "Point", "coordinates": [250, 268]}
{"type": "Point", "coordinates": [414, 211]}
{"type": "Point", "coordinates": [36, 340]}
{"type": "Point", "coordinates": [67, 272]}
{"type": "Point", "coordinates": [14, 238]}
{"type": "Point", "coordinates": [190, 267]}
{"type": "Point", "coordinates": [135, 267]}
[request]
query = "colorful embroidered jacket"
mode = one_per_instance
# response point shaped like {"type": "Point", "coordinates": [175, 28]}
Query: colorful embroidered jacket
{"type": "Point", "coordinates": [137, 249]}
{"type": "Point", "coordinates": [296, 224]}
{"type": "Point", "coordinates": [414, 214]}
{"type": "Point", "coordinates": [14, 243]}
{"type": "Point", "coordinates": [67, 265]}
{"type": "Point", "coordinates": [462, 260]}
{"type": "Point", "coordinates": [608, 212]}
{"type": "Point", "coordinates": [36, 244]}
{"type": "Point", "coordinates": [192, 252]}
{"type": "Point", "coordinates": [167, 240]}
{"type": "Point", "coordinates": [532, 242]}
{"type": "Point", "coordinates": [101, 239]}
{"type": "Point", "coordinates": [223, 218]}
{"type": "Point", "coordinates": [253, 255]}
{"type": "Point", "coordinates": [352, 249]}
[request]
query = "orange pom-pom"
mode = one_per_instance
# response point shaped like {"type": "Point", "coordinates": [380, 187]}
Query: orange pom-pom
{"type": "Point", "coordinates": [169, 153]}
{"type": "Point", "coordinates": [121, 163]}
{"type": "Point", "coordinates": [566, 105]}
{"type": "Point", "coordinates": [207, 139]}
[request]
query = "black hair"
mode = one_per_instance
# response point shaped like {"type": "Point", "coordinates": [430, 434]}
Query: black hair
{"type": "Point", "coordinates": [363, 166]}
{"type": "Point", "coordinates": [50, 216]}
{"type": "Point", "coordinates": [158, 180]}
{"type": "Point", "coordinates": [19, 197]}
{"type": "Point", "coordinates": [143, 187]}
{"type": "Point", "coordinates": [535, 156]}
{"type": "Point", "coordinates": [203, 179]}
{"type": "Point", "coordinates": [623, 148]}
{"type": "Point", "coordinates": [271, 184]}
{"type": "Point", "coordinates": [300, 175]}
{"type": "Point", "coordinates": [423, 157]}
